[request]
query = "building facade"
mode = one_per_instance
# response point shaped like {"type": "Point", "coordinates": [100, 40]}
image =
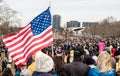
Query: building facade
{"type": "Point", "coordinates": [56, 21]}
{"type": "Point", "coordinates": [88, 24]}
{"type": "Point", "coordinates": [78, 27]}
{"type": "Point", "coordinates": [73, 24]}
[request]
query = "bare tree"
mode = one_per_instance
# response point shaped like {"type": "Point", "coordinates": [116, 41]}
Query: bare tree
{"type": "Point", "coordinates": [8, 19]}
{"type": "Point", "coordinates": [7, 15]}
{"type": "Point", "coordinates": [109, 27]}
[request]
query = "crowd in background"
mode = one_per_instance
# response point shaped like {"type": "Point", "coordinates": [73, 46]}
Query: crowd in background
{"type": "Point", "coordinates": [70, 57]}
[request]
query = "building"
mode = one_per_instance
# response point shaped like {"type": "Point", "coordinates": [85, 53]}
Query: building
{"type": "Point", "coordinates": [56, 21]}
{"type": "Point", "coordinates": [88, 24]}
{"type": "Point", "coordinates": [73, 24]}
{"type": "Point", "coordinates": [78, 27]}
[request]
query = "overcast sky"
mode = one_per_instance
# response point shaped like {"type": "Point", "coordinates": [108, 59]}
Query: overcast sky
{"type": "Point", "coordinates": [80, 10]}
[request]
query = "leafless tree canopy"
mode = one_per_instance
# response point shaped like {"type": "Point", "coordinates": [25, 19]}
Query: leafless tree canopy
{"type": "Point", "coordinates": [109, 27]}
{"type": "Point", "coordinates": [8, 21]}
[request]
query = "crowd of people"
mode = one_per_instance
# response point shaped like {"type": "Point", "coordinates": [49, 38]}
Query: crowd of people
{"type": "Point", "coordinates": [71, 57]}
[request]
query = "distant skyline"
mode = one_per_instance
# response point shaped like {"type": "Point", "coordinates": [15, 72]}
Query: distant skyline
{"type": "Point", "coordinates": [79, 10]}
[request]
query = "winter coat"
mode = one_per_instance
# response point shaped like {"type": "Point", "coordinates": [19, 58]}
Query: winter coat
{"type": "Point", "coordinates": [96, 72]}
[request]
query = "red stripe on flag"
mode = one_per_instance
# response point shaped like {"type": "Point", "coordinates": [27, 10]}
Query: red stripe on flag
{"type": "Point", "coordinates": [17, 61]}
{"type": "Point", "coordinates": [12, 45]}
{"type": "Point", "coordinates": [37, 49]}
{"type": "Point", "coordinates": [35, 39]}
{"type": "Point", "coordinates": [24, 53]}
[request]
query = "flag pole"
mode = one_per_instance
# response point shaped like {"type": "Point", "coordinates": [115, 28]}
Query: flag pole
{"type": "Point", "coordinates": [50, 1]}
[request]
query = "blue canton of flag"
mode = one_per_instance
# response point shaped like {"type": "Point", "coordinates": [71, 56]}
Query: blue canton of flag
{"type": "Point", "coordinates": [41, 22]}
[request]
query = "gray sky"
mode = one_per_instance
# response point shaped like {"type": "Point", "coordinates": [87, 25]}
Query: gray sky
{"type": "Point", "coordinates": [80, 10]}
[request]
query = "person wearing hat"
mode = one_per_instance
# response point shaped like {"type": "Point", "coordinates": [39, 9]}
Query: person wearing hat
{"type": "Point", "coordinates": [24, 70]}
{"type": "Point", "coordinates": [77, 67]}
{"type": "Point", "coordinates": [19, 69]}
{"type": "Point", "coordinates": [43, 64]}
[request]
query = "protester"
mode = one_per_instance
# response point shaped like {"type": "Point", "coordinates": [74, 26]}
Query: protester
{"type": "Point", "coordinates": [7, 72]}
{"type": "Point", "coordinates": [76, 68]}
{"type": "Point", "coordinates": [25, 71]}
{"type": "Point", "coordinates": [67, 48]}
{"type": "Point", "coordinates": [101, 46]}
{"type": "Point", "coordinates": [17, 73]}
{"type": "Point", "coordinates": [89, 61]}
{"type": "Point", "coordinates": [95, 58]}
{"type": "Point", "coordinates": [113, 50]}
{"type": "Point", "coordinates": [104, 66]}
{"type": "Point", "coordinates": [4, 63]}
{"type": "Point", "coordinates": [43, 64]}
{"type": "Point", "coordinates": [70, 57]}
{"type": "Point", "coordinates": [58, 61]}
{"type": "Point", "coordinates": [113, 61]}
{"type": "Point", "coordinates": [117, 55]}
{"type": "Point", "coordinates": [31, 67]}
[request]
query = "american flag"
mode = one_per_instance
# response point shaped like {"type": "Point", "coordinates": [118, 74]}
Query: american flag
{"type": "Point", "coordinates": [30, 39]}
